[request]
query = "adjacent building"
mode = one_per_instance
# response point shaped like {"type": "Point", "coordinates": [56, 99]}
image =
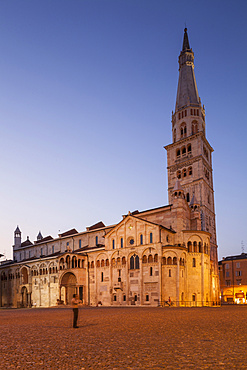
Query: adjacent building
{"type": "Point", "coordinates": [149, 256]}
{"type": "Point", "coordinates": [233, 279]}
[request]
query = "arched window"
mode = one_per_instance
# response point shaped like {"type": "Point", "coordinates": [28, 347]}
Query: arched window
{"type": "Point", "coordinates": [183, 130]}
{"type": "Point", "coordinates": [188, 197]}
{"type": "Point", "coordinates": [98, 263]}
{"type": "Point", "coordinates": [96, 240]}
{"type": "Point", "coordinates": [123, 261]}
{"type": "Point", "coordinates": [174, 260]}
{"type": "Point", "coordinates": [190, 171]}
{"type": "Point", "coordinates": [195, 247]}
{"type": "Point", "coordinates": [134, 262]}
{"type": "Point", "coordinates": [194, 262]}
{"type": "Point", "coordinates": [156, 257]}
{"type": "Point", "coordinates": [113, 262]}
{"type": "Point", "coordinates": [200, 247]}
{"type": "Point", "coordinates": [184, 172]}
{"type": "Point", "coordinates": [151, 271]}
{"type": "Point", "coordinates": [189, 149]}
{"type": "Point", "coordinates": [144, 259]}
{"type": "Point", "coordinates": [121, 242]}
{"type": "Point", "coordinates": [102, 276]}
{"type": "Point", "coordinates": [178, 153]}
{"type": "Point", "coordinates": [179, 174]}
{"type": "Point", "coordinates": [102, 263]}
{"type": "Point", "coordinates": [113, 244]}
{"type": "Point", "coordinates": [151, 237]}
{"type": "Point", "coordinates": [107, 262]}
{"type": "Point", "coordinates": [150, 258]}
{"type": "Point", "coordinates": [79, 263]}
{"type": "Point", "coordinates": [169, 260]}
{"type": "Point", "coordinates": [170, 273]}
{"type": "Point", "coordinates": [189, 246]}
{"type": "Point", "coordinates": [92, 264]}
{"type": "Point", "coordinates": [183, 151]}
{"type": "Point", "coordinates": [141, 239]}
{"type": "Point", "coordinates": [163, 261]}
{"type": "Point", "coordinates": [118, 260]}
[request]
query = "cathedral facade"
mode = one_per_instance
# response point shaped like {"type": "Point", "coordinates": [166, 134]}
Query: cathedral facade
{"type": "Point", "coordinates": [165, 254]}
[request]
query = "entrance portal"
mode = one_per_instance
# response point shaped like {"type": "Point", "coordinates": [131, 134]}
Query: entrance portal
{"type": "Point", "coordinates": [68, 287]}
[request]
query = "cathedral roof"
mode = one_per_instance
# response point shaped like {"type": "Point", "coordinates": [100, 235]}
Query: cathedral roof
{"type": "Point", "coordinates": [99, 225]}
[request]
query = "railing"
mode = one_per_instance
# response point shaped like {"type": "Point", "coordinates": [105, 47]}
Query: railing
{"type": "Point", "coordinates": [166, 303]}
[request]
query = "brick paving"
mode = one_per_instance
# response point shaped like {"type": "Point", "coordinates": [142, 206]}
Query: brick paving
{"type": "Point", "coordinates": [124, 338]}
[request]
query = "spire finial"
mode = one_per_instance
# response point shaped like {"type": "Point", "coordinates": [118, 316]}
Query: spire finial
{"type": "Point", "coordinates": [186, 44]}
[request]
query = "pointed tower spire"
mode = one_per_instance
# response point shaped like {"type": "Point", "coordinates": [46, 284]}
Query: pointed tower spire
{"type": "Point", "coordinates": [187, 93]}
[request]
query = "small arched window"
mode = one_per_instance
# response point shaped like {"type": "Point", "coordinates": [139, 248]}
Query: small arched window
{"type": "Point", "coordinates": [151, 271]}
{"type": "Point", "coordinates": [96, 240]}
{"type": "Point", "coordinates": [121, 242]}
{"type": "Point", "coordinates": [156, 257]}
{"type": "Point", "coordinates": [102, 263]}
{"type": "Point", "coordinates": [150, 258]}
{"type": "Point", "coordinates": [113, 244]}
{"type": "Point", "coordinates": [98, 263]}
{"type": "Point", "coordinates": [123, 261]}
{"type": "Point", "coordinates": [141, 239]}
{"type": "Point", "coordinates": [113, 262]}
{"type": "Point", "coordinates": [169, 260]}
{"type": "Point", "coordinates": [190, 171]}
{"type": "Point", "coordinates": [107, 262]}
{"type": "Point", "coordinates": [188, 197]}
{"type": "Point", "coordinates": [183, 151]}
{"type": "Point", "coordinates": [194, 262]}
{"type": "Point", "coordinates": [195, 247]}
{"type": "Point", "coordinates": [189, 246]}
{"type": "Point", "coordinates": [144, 259]}
{"type": "Point", "coordinates": [184, 172]}
{"type": "Point", "coordinates": [163, 261]}
{"type": "Point", "coordinates": [179, 174]}
{"type": "Point", "coordinates": [174, 260]}
{"type": "Point", "coordinates": [151, 237]}
{"type": "Point", "coordinates": [178, 153]}
{"type": "Point", "coordinates": [170, 273]}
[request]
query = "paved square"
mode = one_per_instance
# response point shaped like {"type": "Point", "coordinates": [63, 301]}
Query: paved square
{"type": "Point", "coordinates": [124, 338]}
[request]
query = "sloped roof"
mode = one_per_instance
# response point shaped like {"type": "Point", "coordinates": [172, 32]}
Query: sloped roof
{"type": "Point", "coordinates": [43, 240]}
{"type": "Point", "coordinates": [68, 233]}
{"type": "Point", "coordinates": [26, 243]}
{"type": "Point", "coordinates": [99, 225]}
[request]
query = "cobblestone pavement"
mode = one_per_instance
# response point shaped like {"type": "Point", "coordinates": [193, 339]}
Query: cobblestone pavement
{"type": "Point", "coordinates": [124, 338]}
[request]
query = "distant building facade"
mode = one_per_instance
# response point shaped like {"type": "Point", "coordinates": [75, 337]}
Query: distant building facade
{"type": "Point", "coordinates": [233, 279]}
{"type": "Point", "coordinates": [149, 256]}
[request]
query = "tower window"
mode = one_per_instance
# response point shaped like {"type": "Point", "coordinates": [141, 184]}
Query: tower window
{"type": "Point", "coordinates": [178, 153]}
{"type": "Point", "coordinates": [194, 262]}
{"type": "Point", "coordinates": [113, 244]}
{"type": "Point", "coordinates": [189, 149]}
{"type": "Point", "coordinates": [183, 151]}
{"type": "Point", "coordinates": [151, 237]}
{"type": "Point", "coordinates": [121, 241]}
{"type": "Point", "coordinates": [184, 172]}
{"type": "Point", "coordinates": [179, 174]}
{"type": "Point", "coordinates": [151, 271]}
{"type": "Point", "coordinates": [188, 197]}
{"type": "Point", "coordinates": [96, 240]}
{"type": "Point", "coordinates": [190, 171]}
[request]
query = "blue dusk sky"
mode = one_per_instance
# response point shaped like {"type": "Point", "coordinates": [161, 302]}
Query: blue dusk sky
{"type": "Point", "coordinates": [87, 88]}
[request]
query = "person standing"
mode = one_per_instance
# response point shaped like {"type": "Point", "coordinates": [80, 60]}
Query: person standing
{"type": "Point", "coordinates": [74, 303]}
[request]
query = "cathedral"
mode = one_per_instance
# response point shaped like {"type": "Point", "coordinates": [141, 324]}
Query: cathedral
{"type": "Point", "coordinates": [164, 255]}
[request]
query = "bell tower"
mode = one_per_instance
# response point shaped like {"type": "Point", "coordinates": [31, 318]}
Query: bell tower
{"type": "Point", "coordinates": [189, 157]}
